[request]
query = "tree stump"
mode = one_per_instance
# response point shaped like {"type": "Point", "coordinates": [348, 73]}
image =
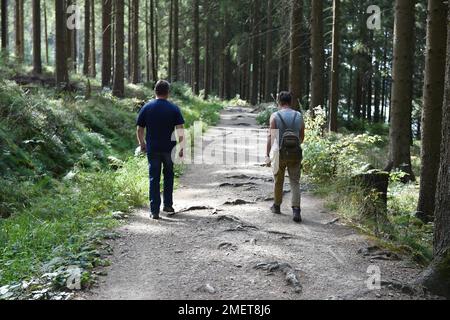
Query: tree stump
{"type": "Point", "coordinates": [374, 185]}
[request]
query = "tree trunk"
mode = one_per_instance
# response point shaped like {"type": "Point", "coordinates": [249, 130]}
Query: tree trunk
{"type": "Point", "coordinates": [376, 114]}
{"type": "Point", "coordinates": [255, 54]}
{"type": "Point", "coordinates": [147, 41]}
{"type": "Point", "coordinates": [369, 95]}
{"type": "Point", "coordinates": [19, 30]}
{"type": "Point", "coordinates": [119, 70]}
{"type": "Point", "coordinates": [175, 64]}
{"type": "Point", "coordinates": [135, 68]}
{"type": "Point", "coordinates": [222, 60]}
{"type": "Point", "coordinates": [61, 72]}
{"type": "Point", "coordinates": [306, 67]}
{"type": "Point", "coordinates": [47, 57]}
{"type": "Point", "coordinates": [384, 80]}
{"type": "Point", "coordinates": [87, 39]}
{"type": "Point", "coordinates": [93, 69]}
{"type": "Point", "coordinates": [207, 76]}
{"type": "Point", "coordinates": [401, 104]}
{"type": "Point", "coordinates": [71, 40]}
{"type": "Point", "coordinates": [106, 42]}
{"type": "Point", "coordinates": [37, 61]}
{"type": "Point", "coordinates": [4, 23]}
{"type": "Point", "coordinates": [437, 277]}
{"type": "Point", "coordinates": [157, 19]}
{"type": "Point", "coordinates": [432, 112]}
{"type": "Point", "coordinates": [228, 70]}
{"type": "Point", "coordinates": [268, 81]}
{"type": "Point", "coordinates": [113, 37]}
{"type": "Point", "coordinates": [169, 71]}
{"type": "Point", "coordinates": [196, 57]}
{"type": "Point", "coordinates": [317, 54]}
{"type": "Point", "coordinates": [295, 79]}
{"type": "Point", "coordinates": [334, 87]}
{"type": "Point", "coordinates": [129, 40]}
{"type": "Point", "coordinates": [152, 41]}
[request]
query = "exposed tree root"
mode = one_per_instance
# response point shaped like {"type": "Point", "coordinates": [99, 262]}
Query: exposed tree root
{"type": "Point", "coordinates": [286, 269]}
{"type": "Point", "coordinates": [237, 202]}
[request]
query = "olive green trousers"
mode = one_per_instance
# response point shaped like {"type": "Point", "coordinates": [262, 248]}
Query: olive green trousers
{"type": "Point", "coordinates": [294, 171]}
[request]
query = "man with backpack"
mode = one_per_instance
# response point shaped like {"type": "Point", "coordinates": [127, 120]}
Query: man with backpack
{"type": "Point", "coordinates": [287, 128]}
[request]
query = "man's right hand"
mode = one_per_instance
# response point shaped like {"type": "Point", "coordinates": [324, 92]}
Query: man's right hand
{"type": "Point", "coordinates": [143, 147]}
{"type": "Point", "coordinates": [268, 162]}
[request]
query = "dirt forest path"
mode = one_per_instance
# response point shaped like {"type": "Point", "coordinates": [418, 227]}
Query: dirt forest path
{"type": "Point", "coordinates": [234, 248]}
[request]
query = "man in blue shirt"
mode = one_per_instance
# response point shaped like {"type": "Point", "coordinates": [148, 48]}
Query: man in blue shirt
{"type": "Point", "coordinates": [157, 121]}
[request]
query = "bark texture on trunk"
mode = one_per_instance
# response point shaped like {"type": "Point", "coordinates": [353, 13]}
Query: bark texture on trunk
{"type": "Point", "coordinates": [295, 78]}
{"type": "Point", "coordinates": [268, 81]}
{"type": "Point", "coordinates": [135, 66]}
{"type": "Point", "coordinates": [61, 72]}
{"type": "Point", "coordinates": [106, 42]}
{"type": "Point", "coordinates": [119, 70]}
{"type": "Point", "coordinates": [4, 23]}
{"type": "Point", "coordinates": [152, 41]}
{"type": "Point", "coordinates": [19, 30]}
{"type": "Point", "coordinates": [176, 46]}
{"type": "Point", "coordinates": [317, 54]}
{"type": "Point", "coordinates": [207, 72]}
{"type": "Point", "coordinates": [196, 80]}
{"type": "Point", "coordinates": [432, 112]}
{"type": "Point", "coordinates": [254, 92]}
{"type": "Point", "coordinates": [87, 38]}
{"type": "Point", "coordinates": [437, 277]}
{"type": "Point", "coordinates": [47, 58]}
{"type": "Point", "coordinates": [37, 60]}
{"type": "Point", "coordinates": [401, 103]}
{"type": "Point", "coordinates": [334, 86]}
{"type": "Point", "coordinates": [93, 58]}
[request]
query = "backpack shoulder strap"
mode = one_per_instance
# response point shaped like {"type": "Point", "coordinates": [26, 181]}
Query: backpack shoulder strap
{"type": "Point", "coordinates": [294, 119]}
{"type": "Point", "coordinates": [282, 120]}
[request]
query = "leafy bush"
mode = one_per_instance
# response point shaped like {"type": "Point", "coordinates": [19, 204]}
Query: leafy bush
{"type": "Point", "coordinates": [331, 160]}
{"type": "Point", "coordinates": [238, 102]}
{"type": "Point", "coordinates": [263, 118]}
{"type": "Point", "coordinates": [329, 155]}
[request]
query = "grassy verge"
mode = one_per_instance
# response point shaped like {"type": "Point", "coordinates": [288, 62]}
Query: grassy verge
{"type": "Point", "coordinates": [68, 175]}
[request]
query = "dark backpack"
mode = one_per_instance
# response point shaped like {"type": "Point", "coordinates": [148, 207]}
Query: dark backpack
{"type": "Point", "coordinates": [290, 149]}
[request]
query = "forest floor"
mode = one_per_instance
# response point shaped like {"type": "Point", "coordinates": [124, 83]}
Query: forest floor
{"type": "Point", "coordinates": [234, 248]}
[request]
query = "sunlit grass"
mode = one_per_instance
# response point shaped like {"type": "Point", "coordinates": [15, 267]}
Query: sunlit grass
{"type": "Point", "coordinates": [57, 182]}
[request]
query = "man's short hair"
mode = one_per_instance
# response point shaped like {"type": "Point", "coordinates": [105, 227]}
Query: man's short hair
{"type": "Point", "coordinates": [162, 88]}
{"type": "Point", "coordinates": [285, 98]}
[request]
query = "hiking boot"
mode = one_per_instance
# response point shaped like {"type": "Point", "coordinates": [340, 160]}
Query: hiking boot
{"type": "Point", "coordinates": [276, 209]}
{"type": "Point", "coordinates": [169, 209]}
{"type": "Point", "coordinates": [155, 216]}
{"type": "Point", "coordinates": [297, 214]}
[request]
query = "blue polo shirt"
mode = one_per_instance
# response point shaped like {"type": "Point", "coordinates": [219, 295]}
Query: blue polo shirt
{"type": "Point", "coordinates": [160, 117]}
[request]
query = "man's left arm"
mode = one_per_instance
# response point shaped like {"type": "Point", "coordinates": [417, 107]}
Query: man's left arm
{"type": "Point", "coordinates": [181, 139]}
{"type": "Point", "coordinates": [179, 126]}
{"type": "Point", "coordinates": [140, 131]}
{"type": "Point", "coordinates": [271, 137]}
{"type": "Point", "coordinates": [140, 134]}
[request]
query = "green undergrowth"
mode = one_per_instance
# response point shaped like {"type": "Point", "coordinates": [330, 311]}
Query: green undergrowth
{"type": "Point", "coordinates": [331, 161]}
{"type": "Point", "coordinates": [67, 174]}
